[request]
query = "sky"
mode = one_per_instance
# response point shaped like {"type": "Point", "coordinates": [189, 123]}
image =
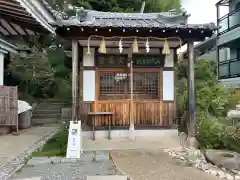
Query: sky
{"type": "Point", "coordinates": [201, 11]}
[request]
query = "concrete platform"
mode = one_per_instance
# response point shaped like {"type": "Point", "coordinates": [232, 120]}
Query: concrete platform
{"type": "Point", "coordinates": [138, 133]}
{"type": "Point", "coordinates": [125, 144]}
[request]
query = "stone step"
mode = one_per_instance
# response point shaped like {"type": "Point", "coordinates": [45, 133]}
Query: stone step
{"type": "Point", "coordinates": [45, 116]}
{"type": "Point", "coordinates": [110, 177]}
{"type": "Point", "coordinates": [50, 108]}
{"type": "Point", "coordinates": [32, 178]}
{"type": "Point", "coordinates": [47, 111]}
{"type": "Point", "coordinates": [86, 156]}
{"type": "Point", "coordinates": [42, 121]}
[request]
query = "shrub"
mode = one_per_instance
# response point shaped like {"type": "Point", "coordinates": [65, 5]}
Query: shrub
{"type": "Point", "coordinates": [231, 138]}
{"type": "Point", "coordinates": [210, 132]}
{"type": "Point", "coordinates": [213, 101]}
{"type": "Point", "coordinates": [233, 98]}
{"type": "Point", "coordinates": [213, 133]}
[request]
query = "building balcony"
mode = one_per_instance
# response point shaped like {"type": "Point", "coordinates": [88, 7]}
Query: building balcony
{"type": "Point", "coordinates": [229, 22]}
{"type": "Point", "coordinates": [229, 69]}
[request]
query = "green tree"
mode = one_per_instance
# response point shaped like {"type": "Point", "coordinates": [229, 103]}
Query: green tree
{"type": "Point", "coordinates": [211, 96]}
{"type": "Point", "coordinates": [34, 72]}
{"type": "Point", "coordinates": [121, 5]}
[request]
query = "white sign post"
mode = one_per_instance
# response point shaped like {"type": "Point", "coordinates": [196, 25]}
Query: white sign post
{"type": "Point", "coordinates": [74, 147]}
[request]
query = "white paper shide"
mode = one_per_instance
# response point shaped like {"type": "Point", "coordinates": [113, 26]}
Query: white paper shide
{"type": "Point", "coordinates": [74, 140]}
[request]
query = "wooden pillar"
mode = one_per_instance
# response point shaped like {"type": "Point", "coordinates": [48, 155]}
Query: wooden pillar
{"type": "Point", "coordinates": [80, 85]}
{"type": "Point", "coordinates": [81, 104]}
{"type": "Point", "coordinates": [218, 15]}
{"type": "Point", "coordinates": [131, 128]}
{"type": "Point", "coordinates": [1, 69]}
{"type": "Point", "coordinates": [74, 78]}
{"type": "Point", "coordinates": [191, 91]}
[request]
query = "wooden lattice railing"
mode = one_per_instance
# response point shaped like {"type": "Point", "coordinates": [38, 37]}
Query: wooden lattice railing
{"type": "Point", "coordinates": [145, 113]}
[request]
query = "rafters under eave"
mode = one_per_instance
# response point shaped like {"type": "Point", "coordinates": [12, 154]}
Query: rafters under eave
{"type": "Point", "coordinates": [24, 17]}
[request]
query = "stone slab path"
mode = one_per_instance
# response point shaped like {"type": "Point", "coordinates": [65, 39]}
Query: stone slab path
{"type": "Point", "coordinates": [75, 170]}
{"type": "Point", "coordinates": [150, 164]}
{"type": "Point", "coordinates": [12, 146]}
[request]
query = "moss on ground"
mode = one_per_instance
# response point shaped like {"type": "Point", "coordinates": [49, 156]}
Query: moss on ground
{"type": "Point", "coordinates": [55, 146]}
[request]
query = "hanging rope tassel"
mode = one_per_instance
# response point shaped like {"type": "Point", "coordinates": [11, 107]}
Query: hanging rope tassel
{"type": "Point", "coordinates": [102, 47]}
{"type": "Point", "coordinates": [88, 47]}
{"type": "Point", "coordinates": [135, 46]}
{"type": "Point", "coordinates": [166, 49]}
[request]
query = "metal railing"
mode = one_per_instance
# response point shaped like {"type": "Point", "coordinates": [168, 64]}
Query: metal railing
{"type": "Point", "coordinates": [229, 68]}
{"type": "Point", "coordinates": [229, 21]}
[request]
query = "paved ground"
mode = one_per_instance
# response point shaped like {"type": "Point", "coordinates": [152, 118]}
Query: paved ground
{"type": "Point", "coordinates": [142, 159]}
{"type": "Point", "coordinates": [12, 146]}
{"type": "Point", "coordinates": [154, 164]}
{"type": "Point", "coordinates": [68, 170]}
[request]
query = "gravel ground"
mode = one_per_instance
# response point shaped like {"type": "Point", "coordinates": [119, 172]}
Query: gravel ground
{"type": "Point", "coordinates": [78, 170]}
{"type": "Point", "coordinates": [155, 165]}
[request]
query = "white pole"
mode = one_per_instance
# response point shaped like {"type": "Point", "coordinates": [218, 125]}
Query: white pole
{"type": "Point", "coordinates": [143, 7]}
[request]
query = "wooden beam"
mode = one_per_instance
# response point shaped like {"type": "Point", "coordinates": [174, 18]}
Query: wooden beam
{"type": "Point", "coordinates": [13, 9]}
{"type": "Point", "coordinates": [8, 27]}
{"type": "Point", "coordinates": [76, 33]}
{"type": "Point", "coordinates": [11, 16]}
{"type": "Point", "coordinates": [74, 78]}
{"type": "Point", "coordinates": [15, 14]}
{"type": "Point", "coordinates": [191, 91]}
{"type": "Point", "coordinates": [10, 3]}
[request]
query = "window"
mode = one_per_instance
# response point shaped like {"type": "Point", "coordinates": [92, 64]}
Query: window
{"type": "Point", "coordinates": [237, 6]}
{"type": "Point", "coordinates": [229, 63]}
{"type": "Point", "coordinates": [229, 21]}
{"type": "Point", "coordinates": [234, 68]}
{"type": "Point", "coordinates": [145, 85]}
{"type": "Point", "coordinates": [116, 85]}
{"type": "Point", "coordinates": [113, 85]}
{"type": "Point", "coordinates": [223, 70]}
{"type": "Point", "coordinates": [224, 54]}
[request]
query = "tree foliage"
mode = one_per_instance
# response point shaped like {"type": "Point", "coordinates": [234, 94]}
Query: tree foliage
{"type": "Point", "coordinates": [34, 73]}
{"type": "Point", "coordinates": [120, 5]}
{"type": "Point", "coordinates": [211, 96]}
{"type": "Point", "coordinates": [212, 104]}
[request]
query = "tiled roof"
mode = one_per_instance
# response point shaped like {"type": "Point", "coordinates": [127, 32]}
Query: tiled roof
{"type": "Point", "coordinates": [55, 13]}
{"type": "Point", "coordinates": [135, 20]}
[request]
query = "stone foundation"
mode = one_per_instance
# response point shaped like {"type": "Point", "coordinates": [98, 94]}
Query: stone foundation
{"type": "Point", "coordinates": [5, 130]}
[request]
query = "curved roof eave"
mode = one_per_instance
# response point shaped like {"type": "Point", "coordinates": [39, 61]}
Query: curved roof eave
{"type": "Point", "coordinates": [40, 12]}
